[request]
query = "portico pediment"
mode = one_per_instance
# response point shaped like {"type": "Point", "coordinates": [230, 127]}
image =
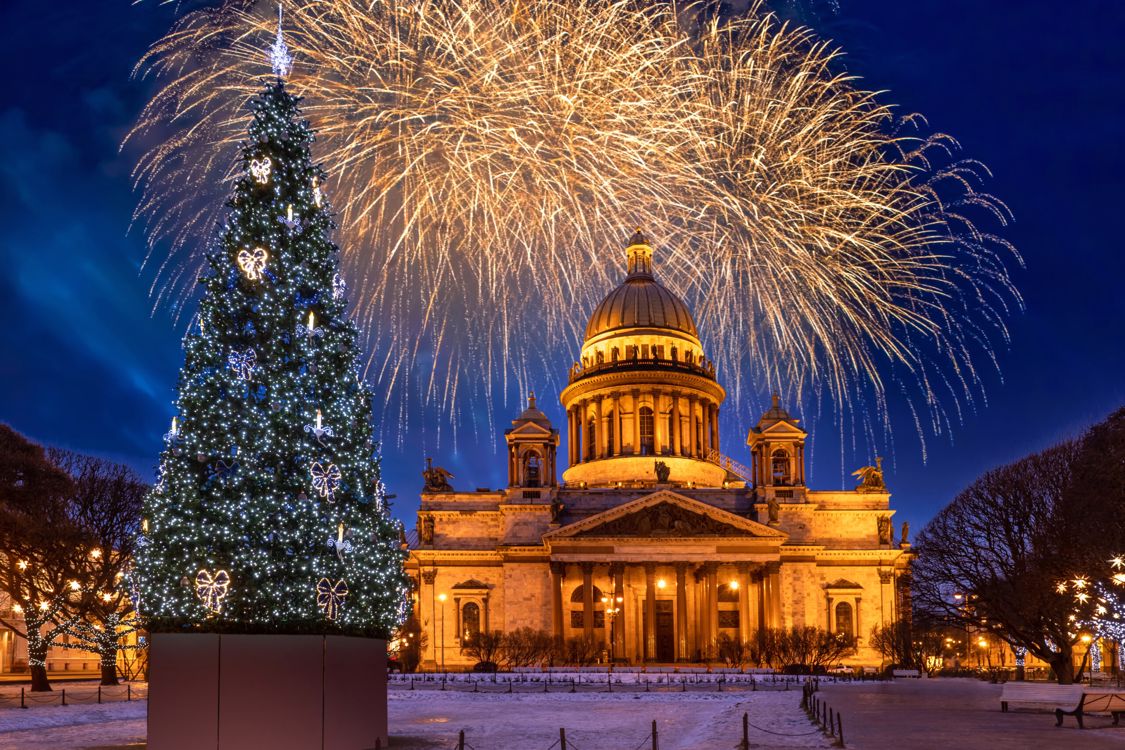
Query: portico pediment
{"type": "Point", "coordinates": [665, 514]}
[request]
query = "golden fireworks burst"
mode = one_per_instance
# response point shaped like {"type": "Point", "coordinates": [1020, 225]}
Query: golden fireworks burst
{"type": "Point", "coordinates": [489, 157]}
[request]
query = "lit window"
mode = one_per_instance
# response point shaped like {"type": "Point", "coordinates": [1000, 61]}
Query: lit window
{"type": "Point", "coordinates": [647, 432]}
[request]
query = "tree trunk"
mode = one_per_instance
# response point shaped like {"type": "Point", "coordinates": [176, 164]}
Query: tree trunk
{"type": "Point", "coordinates": [107, 654]}
{"type": "Point", "coordinates": [1063, 664]}
{"type": "Point", "coordinates": [109, 674]}
{"type": "Point", "coordinates": [37, 658]}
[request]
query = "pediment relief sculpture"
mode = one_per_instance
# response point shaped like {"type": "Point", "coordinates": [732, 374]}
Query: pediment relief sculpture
{"type": "Point", "coordinates": [663, 520]}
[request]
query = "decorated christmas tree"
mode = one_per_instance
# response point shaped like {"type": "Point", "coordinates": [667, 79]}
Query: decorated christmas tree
{"type": "Point", "coordinates": [269, 514]}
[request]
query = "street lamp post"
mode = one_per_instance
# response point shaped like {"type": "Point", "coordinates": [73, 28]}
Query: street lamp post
{"type": "Point", "coordinates": [441, 598]}
{"type": "Point", "coordinates": [612, 607]}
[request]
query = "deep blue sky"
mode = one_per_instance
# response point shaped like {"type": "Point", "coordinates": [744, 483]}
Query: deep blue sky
{"type": "Point", "coordinates": [1034, 89]}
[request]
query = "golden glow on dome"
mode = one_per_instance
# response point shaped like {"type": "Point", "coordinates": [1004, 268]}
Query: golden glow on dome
{"type": "Point", "coordinates": [640, 301]}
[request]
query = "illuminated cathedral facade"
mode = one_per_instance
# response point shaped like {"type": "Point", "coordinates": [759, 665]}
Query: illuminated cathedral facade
{"type": "Point", "coordinates": [653, 542]}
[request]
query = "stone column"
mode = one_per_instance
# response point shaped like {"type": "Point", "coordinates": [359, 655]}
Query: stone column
{"type": "Point", "coordinates": [650, 612]}
{"type": "Point", "coordinates": [457, 634]}
{"type": "Point", "coordinates": [636, 421]}
{"type": "Point", "coordinates": [618, 571]}
{"type": "Point", "coordinates": [712, 607]}
{"type": "Point", "coordinates": [715, 427]}
{"type": "Point", "coordinates": [760, 590]}
{"type": "Point", "coordinates": [588, 599]}
{"type": "Point", "coordinates": [557, 571]}
{"type": "Point", "coordinates": [743, 602]}
{"type": "Point", "coordinates": [659, 426]}
{"type": "Point", "coordinates": [617, 423]}
{"type": "Point", "coordinates": [569, 437]}
{"type": "Point", "coordinates": [681, 613]}
{"type": "Point", "coordinates": [677, 426]}
{"type": "Point", "coordinates": [599, 428]}
{"type": "Point", "coordinates": [692, 426]}
{"type": "Point", "coordinates": [428, 579]}
{"type": "Point", "coordinates": [773, 570]}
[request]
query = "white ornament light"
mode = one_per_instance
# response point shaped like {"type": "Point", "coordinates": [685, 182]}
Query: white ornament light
{"type": "Point", "coordinates": [319, 430]}
{"type": "Point", "coordinates": [212, 589]}
{"type": "Point", "coordinates": [243, 363]}
{"type": "Point", "coordinates": [253, 262]}
{"type": "Point", "coordinates": [329, 596]}
{"type": "Point", "coordinates": [339, 543]}
{"type": "Point", "coordinates": [280, 59]}
{"type": "Point", "coordinates": [326, 480]}
{"type": "Point", "coordinates": [291, 223]}
{"type": "Point", "coordinates": [260, 169]}
{"type": "Point", "coordinates": [338, 287]}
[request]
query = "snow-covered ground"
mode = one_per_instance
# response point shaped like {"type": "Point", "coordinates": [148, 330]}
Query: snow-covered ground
{"type": "Point", "coordinates": [428, 718]}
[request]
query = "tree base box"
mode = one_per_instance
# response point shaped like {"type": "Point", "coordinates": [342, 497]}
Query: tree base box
{"type": "Point", "coordinates": [284, 692]}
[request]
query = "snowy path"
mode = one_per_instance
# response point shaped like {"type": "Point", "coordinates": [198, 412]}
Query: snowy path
{"type": "Point", "coordinates": [422, 720]}
{"type": "Point", "coordinates": [430, 719]}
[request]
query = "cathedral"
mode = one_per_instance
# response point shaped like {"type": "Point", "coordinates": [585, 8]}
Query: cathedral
{"type": "Point", "coordinates": [654, 543]}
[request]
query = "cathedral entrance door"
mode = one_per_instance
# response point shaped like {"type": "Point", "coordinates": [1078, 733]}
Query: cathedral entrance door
{"type": "Point", "coordinates": [665, 631]}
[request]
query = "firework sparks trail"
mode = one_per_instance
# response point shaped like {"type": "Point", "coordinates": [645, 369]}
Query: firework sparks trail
{"type": "Point", "coordinates": [488, 157]}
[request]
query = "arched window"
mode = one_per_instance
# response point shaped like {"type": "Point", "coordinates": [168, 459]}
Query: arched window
{"type": "Point", "coordinates": [673, 429]}
{"type": "Point", "coordinates": [647, 432]}
{"type": "Point", "coordinates": [578, 608]}
{"type": "Point", "coordinates": [844, 625]}
{"type": "Point", "coordinates": [591, 440]}
{"type": "Point", "coordinates": [470, 621]}
{"type": "Point", "coordinates": [532, 470]}
{"type": "Point", "coordinates": [779, 467]}
{"type": "Point", "coordinates": [610, 429]}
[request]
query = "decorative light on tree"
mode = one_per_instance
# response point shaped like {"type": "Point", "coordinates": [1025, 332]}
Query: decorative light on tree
{"type": "Point", "coordinates": [233, 501]}
{"type": "Point", "coordinates": [1098, 604]}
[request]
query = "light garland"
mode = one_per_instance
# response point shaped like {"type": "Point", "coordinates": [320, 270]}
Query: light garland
{"type": "Point", "coordinates": [211, 590]}
{"type": "Point", "coordinates": [292, 400]}
{"type": "Point", "coordinates": [326, 480]}
{"type": "Point", "coordinates": [330, 596]}
{"type": "Point", "coordinates": [260, 170]}
{"type": "Point", "coordinates": [253, 262]}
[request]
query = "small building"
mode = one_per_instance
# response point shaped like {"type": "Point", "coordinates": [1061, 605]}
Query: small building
{"type": "Point", "coordinates": [654, 543]}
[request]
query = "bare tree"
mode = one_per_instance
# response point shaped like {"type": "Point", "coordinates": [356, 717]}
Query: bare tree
{"type": "Point", "coordinates": [43, 549]}
{"type": "Point", "coordinates": [484, 646]}
{"type": "Point", "coordinates": [105, 504]}
{"type": "Point", "coordinates": [994, 557]}
{"type": "Point", "coordinates": [912, 644]}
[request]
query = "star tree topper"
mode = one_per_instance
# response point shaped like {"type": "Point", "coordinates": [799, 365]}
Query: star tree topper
{"type": "Point", "coordinates": [280, 59]}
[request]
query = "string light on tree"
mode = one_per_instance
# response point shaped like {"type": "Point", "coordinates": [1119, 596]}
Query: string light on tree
{"type": "Point", "coordinates": [253, 262]}
{"type": "Point", "coordinates": [253, 378]}
{"type": "Point", "coordinates": [212, 589]}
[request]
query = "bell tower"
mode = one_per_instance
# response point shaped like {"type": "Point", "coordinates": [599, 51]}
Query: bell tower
{"type": "Point", "coordinates": [532, 445]}
{"type": "Point", "coordinates": [777, 445]}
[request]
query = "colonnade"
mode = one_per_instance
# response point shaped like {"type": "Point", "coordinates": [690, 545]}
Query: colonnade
{"type": "Point", "coordinates": [636, 591]}
{"type": "Point", "coordinates": [697, 413]}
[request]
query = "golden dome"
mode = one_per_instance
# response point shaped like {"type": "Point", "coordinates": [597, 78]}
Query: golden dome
{"type": "Point", "coordinates": [640, 301]}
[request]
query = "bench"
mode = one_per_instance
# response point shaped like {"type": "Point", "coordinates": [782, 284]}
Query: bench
{"type": "Point", "coordinates": [905, 673]}
{"type": "Point", "coordinates": [1046, 695]}
{"type": "Point", "coordinates": [1096, 701]}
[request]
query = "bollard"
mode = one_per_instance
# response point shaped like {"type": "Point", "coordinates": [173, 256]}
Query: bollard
{"type": "Point", "coordinates": [461, 740]}
{"type": "Point", "coordinates": [646, 685]}
{"type": "Point", "coordinates": [64, 696]}
{"type": "Point", "coordinates": [443, 682]}
{"type": "Point", "coordinates": [22, 704]}
{"type": "Point", "coordinates": [562, 738]}
{"type": "Point", "coordinates": [840, 729]}
{"type": "Point", "coordinates": [655, 740]}
{"type": "Point", "coordinates": [509, 686]}
{"type": "Point", "coordinates": [745, 732]}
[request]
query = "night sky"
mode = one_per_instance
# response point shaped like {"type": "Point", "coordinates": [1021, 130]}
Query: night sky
{"type": "Point", "coordinates": [1035, 90]}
